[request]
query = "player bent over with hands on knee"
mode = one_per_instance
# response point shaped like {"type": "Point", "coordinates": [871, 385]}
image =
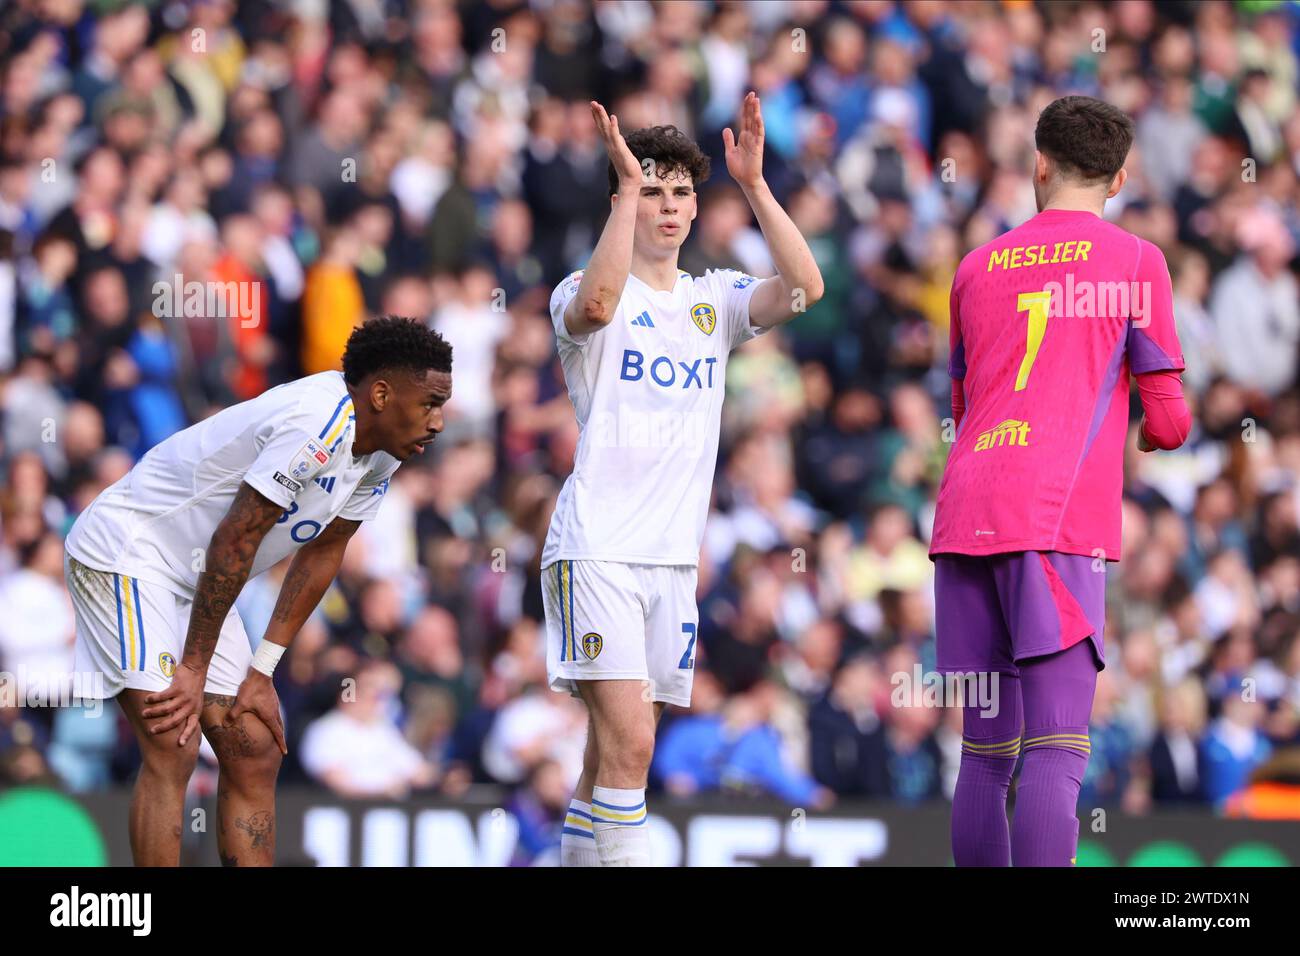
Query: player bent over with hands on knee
{"type": "Point", "coordinates": [164, 552]}
{"type": "Point", "coordinates": [644, 348]}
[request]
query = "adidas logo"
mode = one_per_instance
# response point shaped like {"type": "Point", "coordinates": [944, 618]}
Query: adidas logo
{"type": "Point", "coordinates": [644, 320]}
{"type": "Point", "coordinates": [326, 483]}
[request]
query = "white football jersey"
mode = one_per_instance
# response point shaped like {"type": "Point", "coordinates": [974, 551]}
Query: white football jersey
{"type": "Point", "coordinates": [648, 391]}
{"type": "Point", "coordinates": [293, 444]}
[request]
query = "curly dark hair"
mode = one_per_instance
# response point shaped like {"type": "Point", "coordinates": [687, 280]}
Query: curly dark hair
{"type": "Point", "coordinates": [670, 148]}
{"type": "Point", "coordinates": [393, 342]}
{"type": "Point", "coordinates": [1088, 138]}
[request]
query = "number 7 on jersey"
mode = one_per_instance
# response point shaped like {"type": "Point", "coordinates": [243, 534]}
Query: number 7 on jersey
{"type": "Point", "coordinates": [1037, 303]}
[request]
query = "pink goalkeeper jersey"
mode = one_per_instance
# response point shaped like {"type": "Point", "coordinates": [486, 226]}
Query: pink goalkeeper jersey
{"type": "Point", "coordinates": [1048, 320]}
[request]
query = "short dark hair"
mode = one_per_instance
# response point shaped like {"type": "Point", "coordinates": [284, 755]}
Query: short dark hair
{"type": "Point", "coordinates": [1087, 138]}
{"type": "Point", "coordinates": [670, 148]}
{"type": "Point", "coordinates": [392, 342]}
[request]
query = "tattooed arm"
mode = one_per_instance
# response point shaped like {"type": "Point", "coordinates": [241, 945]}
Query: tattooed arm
{"type": "Point", "coordinates": [310, 573]}
{"type": "Point", "coordinates": [313, 568]}
{"type": "Point", "coordinates": [230, 557]}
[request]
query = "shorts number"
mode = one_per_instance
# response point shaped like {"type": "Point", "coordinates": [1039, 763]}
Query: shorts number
{"type": "Point", "coordinates": [686, 663]}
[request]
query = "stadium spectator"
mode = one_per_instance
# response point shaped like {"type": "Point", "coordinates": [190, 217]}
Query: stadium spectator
{"type": "Point", "coordinates": [356, 750]}
{"type": "Point", "coordinates": [848, 740]}
{"type": "Point", "coordinates": [1232, 748]}
{"type": "Point", "coordinates": [1175, 759]}
{"type": "Point", "coordinates": [539, 807]}
{"type": "Point", "coordinates": [736, 750]}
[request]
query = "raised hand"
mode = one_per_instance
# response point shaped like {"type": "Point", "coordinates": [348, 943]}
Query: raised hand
{"type": "Point", "coordinates": [625, 164]}
{"type": "Point", "coordinates": [745, 154]}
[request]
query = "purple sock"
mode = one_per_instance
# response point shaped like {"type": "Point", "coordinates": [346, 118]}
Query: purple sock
{"type": "Point", "coordinates": [1046, 830]}
{"type": "Point", "coordinates": [1057, 694]}
{"type": "Point", "coordinates": [989, 747]}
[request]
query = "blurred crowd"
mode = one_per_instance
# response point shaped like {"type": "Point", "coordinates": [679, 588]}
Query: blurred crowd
{"type": "Point", "coordinates": [337, 159]}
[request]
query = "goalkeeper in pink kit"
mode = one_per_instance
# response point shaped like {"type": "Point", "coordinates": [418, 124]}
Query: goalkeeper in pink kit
{"type": "Point", "coordinates": [1048, 321]}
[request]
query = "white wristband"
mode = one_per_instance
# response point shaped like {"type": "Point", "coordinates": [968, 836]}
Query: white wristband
{"type": "Point", "coordinates": [267, 655]}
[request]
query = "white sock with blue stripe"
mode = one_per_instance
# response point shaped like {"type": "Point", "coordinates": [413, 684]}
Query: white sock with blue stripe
{"type": "Point", "coordinates": [618, 819]}
{"type": "Point", "coordinates": [577, 839]}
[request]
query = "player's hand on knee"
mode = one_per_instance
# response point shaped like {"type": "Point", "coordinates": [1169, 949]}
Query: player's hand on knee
{"type": "Point", "coordinates": [177, 706]}
{"type": "Point", "coordinates": [189, 730]}
{"type": "Point", "coordinates": [257, 696]}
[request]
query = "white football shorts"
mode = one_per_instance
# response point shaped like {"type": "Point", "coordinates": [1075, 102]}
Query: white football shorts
{"type": "Point", "coordinates": [133, 633]}
{"type": "Point", "coordinates": [611, 621]}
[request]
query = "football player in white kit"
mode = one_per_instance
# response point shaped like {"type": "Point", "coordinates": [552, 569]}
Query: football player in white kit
{"type": "Point", "coordinates": [155, 563]}
{"type": "Point", "coordinates": [644, 348]}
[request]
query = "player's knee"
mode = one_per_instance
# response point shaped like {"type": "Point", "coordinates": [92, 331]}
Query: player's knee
{"type": "Point", "coordinates": [634, 751]}
{"type": "Point", "coordinates": [1063, 750]}
{"type": "Point", "coordinates": [247, 754]}
{"type": "Point", "coordinates": [251, 770]}
{"type": "Point", "coordinates": [162, 759]}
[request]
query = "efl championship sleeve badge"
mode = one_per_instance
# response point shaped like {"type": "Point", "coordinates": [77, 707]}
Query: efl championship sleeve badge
{"type": "Point", "coordinates": [311, 458]}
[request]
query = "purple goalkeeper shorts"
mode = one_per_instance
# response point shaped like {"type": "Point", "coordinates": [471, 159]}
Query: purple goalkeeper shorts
{"type": "Point", "coordinates": [995, 610]}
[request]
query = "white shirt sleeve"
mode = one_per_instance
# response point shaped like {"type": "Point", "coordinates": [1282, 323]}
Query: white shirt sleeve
{"type": "Point", "coordinates": [564, 294]}
{"type": "Point", "coordinates": [369, 494]}
{"type": "Point", "coordinates": [733, 291]}
{"type": "Point", "coordinates": [288, 459]}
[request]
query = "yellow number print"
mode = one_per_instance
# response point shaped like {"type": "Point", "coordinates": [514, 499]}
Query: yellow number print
{"type": "Point", "coordinates": [1037, 304]}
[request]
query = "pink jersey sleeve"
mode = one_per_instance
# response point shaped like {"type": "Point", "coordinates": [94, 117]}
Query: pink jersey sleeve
{"type": "Point", "coordinates": [1168, 419]}
{"type": "Point", "coordinates": [956, 347]}
{"type": "Point", "coordinates": [1152, 337]}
